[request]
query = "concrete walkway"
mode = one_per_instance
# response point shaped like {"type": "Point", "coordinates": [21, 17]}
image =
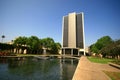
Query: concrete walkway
{"type": "Point", "coordinates": [87, 70]}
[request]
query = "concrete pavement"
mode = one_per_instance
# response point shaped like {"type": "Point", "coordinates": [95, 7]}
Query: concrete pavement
{"type": "Point", "coordinates": [87, 70]}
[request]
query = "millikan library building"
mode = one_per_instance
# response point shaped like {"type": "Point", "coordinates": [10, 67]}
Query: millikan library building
{"type": "Point", "coordinates": [73, 40]}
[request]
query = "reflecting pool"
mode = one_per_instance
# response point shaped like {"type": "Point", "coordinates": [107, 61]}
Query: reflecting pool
{"type": "Point", "coordinates": [30, 68]}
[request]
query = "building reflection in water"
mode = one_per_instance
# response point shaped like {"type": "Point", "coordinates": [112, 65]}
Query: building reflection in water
{"type": "Point", "coordinates": [67, 68]}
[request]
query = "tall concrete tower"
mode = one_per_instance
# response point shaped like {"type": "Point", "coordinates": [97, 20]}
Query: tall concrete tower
{"type": "Point", "coordinates": [73, 40]}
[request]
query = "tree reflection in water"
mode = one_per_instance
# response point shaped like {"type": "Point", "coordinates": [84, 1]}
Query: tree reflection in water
{"type": "Point", "coordinates": [29, 68]}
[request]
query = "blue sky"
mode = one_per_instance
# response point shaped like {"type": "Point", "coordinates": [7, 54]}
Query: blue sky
{"type": "Point", "coordinates": [43, 18]}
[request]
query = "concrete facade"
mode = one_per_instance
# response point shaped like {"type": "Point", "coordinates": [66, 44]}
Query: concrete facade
{"type": "Point", "coordinates": [73, 34]}
{"type": "Point", "coordinates": [72, 30]}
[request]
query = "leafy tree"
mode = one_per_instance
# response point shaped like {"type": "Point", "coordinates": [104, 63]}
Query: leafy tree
{"type": "Point", "coordinates": [55, 47]}
{"type": "Point", "coordinates": [20, 43]}
{"type": "Point", "coordinates": [101, 43]}
{"type": "Point", "coordinates": [47, 42]}
{"type": "Point", "coordinates": [34, 44]}
{"type": "Point", "coordinates": [94, 48]}
{"type": "Point", "coordinates": [58, 45]}
{"type": "Point", "coordinates": [50, 45]}
{"type": "Point", "coordinates": [112, 49]}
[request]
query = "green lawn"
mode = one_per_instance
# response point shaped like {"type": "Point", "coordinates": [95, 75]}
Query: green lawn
{"type": "Point", "coordinates": [26, 54]}
{"type": "Point", "coordinates": [36, 54]}
{"type": "Point", "coordinates": [116, 62]}
{"type": "Point", "coordinates": [100, 60]}
{"type": "Point", "coordinates": [113, 75]}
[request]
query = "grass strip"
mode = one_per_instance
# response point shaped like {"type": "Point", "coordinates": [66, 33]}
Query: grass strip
{"type": "Point", "coordinates": [100, 60]}
{"type": "Point", "coordinates": [113, 75]}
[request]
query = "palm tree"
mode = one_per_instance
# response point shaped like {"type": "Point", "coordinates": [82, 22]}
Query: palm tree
{"type": "Point", "coordinates": [3, 36]}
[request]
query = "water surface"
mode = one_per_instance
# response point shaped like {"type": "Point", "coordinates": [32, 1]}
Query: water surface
{"type": "Point", "coordinates": [29, 68]}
